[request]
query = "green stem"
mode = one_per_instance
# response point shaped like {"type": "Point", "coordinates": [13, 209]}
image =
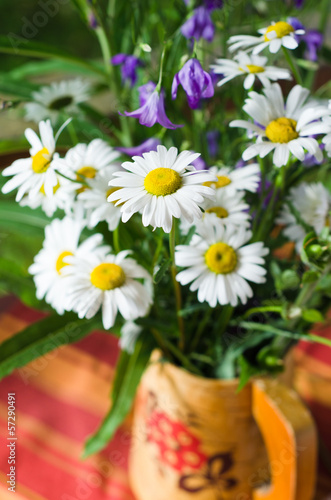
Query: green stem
{"type": "Point", "coordinates": [158, 86]}
{"type": "Point", "coordinates": [178, 296]}
{"type": "Point", "coordinates": [292, 65]}
{"type": "Point", "coordinates": [116, 240]}
{"type": "Point", "coordinates": [309, 337]}
{"type": "Point", "coordinates": [254, 310]}
{"type": "Point", "coordinates": [105, 49]}
{"type": "Point", "coordinates": [203, 323]}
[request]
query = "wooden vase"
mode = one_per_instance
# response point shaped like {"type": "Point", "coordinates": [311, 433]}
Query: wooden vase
{"type": "Point", "coordinates": [201, 439]}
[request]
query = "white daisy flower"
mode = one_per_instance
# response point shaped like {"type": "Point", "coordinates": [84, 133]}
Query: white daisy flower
{"type": "Point", "coordinates": [237, 179]}
{"type": "Point", "coordinates": [163, 185]}
{"type": "Point", "coordinates": [313, 203]}
{"type": "Point", "coordinates": [274, 36]}
{"type": "Point", "coordinates": [94, 200]}
{"type": "Point", "coordinates": [84, 161]}
{"type": "Point", "coordinates": [129, 334]}
{"type": "Point", "coordinates": [110, 282]}
{"type": "Point", "coordinates": [61, 241]}
{"type": "Point", "coordinates": [251, 67]}
{"type": "Point", "coordinates": [327, 138]}
{"type": "Point", "coordinates": [218, 264]}
{"type": "Point", "coordinates": [282, 128]}
{"type": "Point", "coordinates": [37, 172]}
{"type": "Point", "coordinates": [51, 100]}
{"type": "Point", "coordinates": [228, 208]}
{"type": "Point", "coordinates": [61, 198]}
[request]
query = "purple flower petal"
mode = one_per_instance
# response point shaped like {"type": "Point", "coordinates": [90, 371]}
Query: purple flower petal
{"type": "Point", "coordinates": [149, 145]}
{"type": "Point", "coordinates": [196, 82]}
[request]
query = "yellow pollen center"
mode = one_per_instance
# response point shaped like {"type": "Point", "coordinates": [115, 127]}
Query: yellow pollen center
{"type": "Point", "coordinates": [252, 68]}
{"type": "Point", "coordinates": [107, 276]}
{"type": "Point", "coordinates": [111, 191]}
{"type": "Point", "coordinates": [60, 264]}
{"type": "Point", "coordinates": [221, 258]}
{"type": "Point", "coordinates": [39, 163]}
{"type": "Point", "coordinates": [281, 28]}
{"type": "Point", "coordinates": [55, 188]}
{"type": "Point", "coordinates": [222, 181]}
{"type": "Point", "coordinates": [87, 172]}
{"type": "Point", "coordinates": [221, 212]}
{"type": "Point", "coordinates": [282, 130]}
{"type": "Point", "coordinates": [162, 181]}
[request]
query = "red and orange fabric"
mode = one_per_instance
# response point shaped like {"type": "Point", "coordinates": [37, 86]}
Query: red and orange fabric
{"type": "Point", "coordinates": [62, 397]}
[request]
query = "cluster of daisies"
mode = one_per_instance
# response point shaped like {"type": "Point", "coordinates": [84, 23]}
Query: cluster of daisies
{"type": "Point", "coordinates": [74, 272]}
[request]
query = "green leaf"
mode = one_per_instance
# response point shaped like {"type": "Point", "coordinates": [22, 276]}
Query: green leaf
{"type": "Point", "coordinates": [129, 371]}
{"type": "Point", "coordinates": [23, 219]}
{"type": "Point", "coordinates": [42, 337]}
{"type": "Point", "coordinates": [15, 280]}
{"type": "Point", "coordinates": [17, 87]}
{"type": "Point", "coordinates": [247, 371]}
{"type": "Point", "coordinates": [312, 316]}
{"type": "Point", "coordinates": [162, 271]}
{"type": "Point", "coordinates": [310, 276]}
{"type": "Point", "coordinates": [12, 44]}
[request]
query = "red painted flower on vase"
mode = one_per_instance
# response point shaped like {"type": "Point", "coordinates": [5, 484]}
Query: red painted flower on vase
{"type": "Point", "coordinates": [178, 447]}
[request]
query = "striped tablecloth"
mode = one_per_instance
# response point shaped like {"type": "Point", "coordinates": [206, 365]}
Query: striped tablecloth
{"type": "Point", "coordinates": [61, 399]}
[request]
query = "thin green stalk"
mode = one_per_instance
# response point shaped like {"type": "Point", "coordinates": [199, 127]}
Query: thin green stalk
{"type": "Point", "coordinates": [116, 239]}
{"type": "Point", "coordinates": [203, 323]}
{"type": "Point", "coordinates": [292, 65]}
{"type": "Point", "coordinates": [254, 310]}
{"type": "Point", "coordinates": [178, 296]}
{"type": "Point", "coordinates": [309, 337]}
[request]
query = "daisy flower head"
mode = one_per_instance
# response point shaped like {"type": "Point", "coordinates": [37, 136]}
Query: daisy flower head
{"type": "Point", "coordinates": [61, 241]}
{"type": "Point", "coordinates": [162, 185]}
{"type": "Point", "coordinates": [275, 36]}
{"type": "Point", "coordinates": [236, 179]}
{"type": "Point", "coordinates": [327, 138]}
{"type": "Point", "coordinates": [84, 161]}
{"type": "Point", "coordinates": [110, 282]}
{"type": "Point", "coordinates": [313, 203]}
{"type": "Point", "coordinates": [228, 208]}
{"type": "Point", "coordinates": [252, 67]}
{"type": "Point", "coordinates": [59, 97]}
{"type": "Point", "coordinates": [37, 172]}
{"type": "Point", "coordinates": [129, 334]}
{"type": "Point", "coordinates": [94, 200]}
{"type": "Point", "coordinates": [62, 197]}
{"type": "Point", "coordinates": [285, 128]}
{"type": "Point", "coordinates": [218, 264]}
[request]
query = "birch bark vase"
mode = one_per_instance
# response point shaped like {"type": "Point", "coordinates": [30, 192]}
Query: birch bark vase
{"type": "Point", "coordinates": [200, 439]}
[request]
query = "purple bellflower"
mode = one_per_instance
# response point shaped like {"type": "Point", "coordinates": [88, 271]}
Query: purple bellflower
{"type": "Point", "coordinates": [150, 145]}
{"type": "Point", "coordinates": [312, 38]}
{"type": "Point", "coordinates": [151, 109]}
{"type": "Point", "coordinates": [129, 65]}
{"type": "Point", "coordinates": [196, 82]}
{"type": "Point", "coordinates": [199, 25]}
{"type": "Point", "coordinates": [213, 137]}
{"type": "Point", "coordinates": [199, 163]}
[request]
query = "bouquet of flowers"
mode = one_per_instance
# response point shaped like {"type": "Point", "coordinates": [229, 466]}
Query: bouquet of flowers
{"type": "Point", "coordinates": [208, 238]}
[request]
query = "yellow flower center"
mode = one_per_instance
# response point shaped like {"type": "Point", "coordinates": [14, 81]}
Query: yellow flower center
{"type": "Point", "coordinates": [252, 68]}
{"type": "Point", "coordinates": [221, 258]}
{"type": "Point", "coordinates": [111, 191]}
{"type": "Point", "coordinates": [162, 181]}
{"type": "Point", "coordinates": [55, 188]}
{"type": "Point", "coordinates": [222, 181]}
{"type": "Point", "coordinates": [60, 264]}
{"type": "Point", "coordinates": [282, 130]}
{"type": "Point", "coordinates": [281, 28]}
{"type": "Point", "coordinates": [89, 172]}
{"type": "Point", "coordinates": [39, 163]}
{"type": "Point", "coordinates": [221, 212]}
{"type": "Point", "coordinates": [107, 276]}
